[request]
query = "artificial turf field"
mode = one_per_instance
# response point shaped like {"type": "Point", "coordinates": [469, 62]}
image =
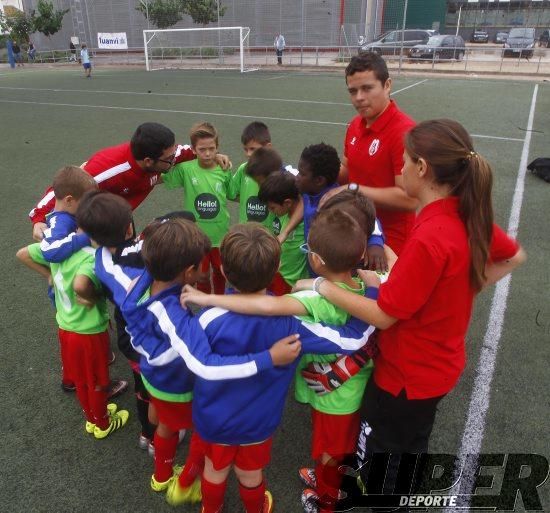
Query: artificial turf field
{"type": "Point", "coordinates": [53, 116]}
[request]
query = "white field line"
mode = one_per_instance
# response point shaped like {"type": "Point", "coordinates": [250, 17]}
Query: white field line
{"type": "Point", "coordinates": [408, 87]}
{"type": "Point", "coordinates": [479, 403]}
{"type": "Point", "coordinates": [189, 95]}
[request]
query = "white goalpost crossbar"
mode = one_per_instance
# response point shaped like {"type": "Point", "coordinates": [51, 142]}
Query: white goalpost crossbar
{"type": "Point", "coordinates": [196, 48]}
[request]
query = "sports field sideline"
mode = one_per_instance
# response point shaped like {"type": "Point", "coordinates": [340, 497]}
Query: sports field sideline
{"type": "Point", "coordinates": [53, 116]}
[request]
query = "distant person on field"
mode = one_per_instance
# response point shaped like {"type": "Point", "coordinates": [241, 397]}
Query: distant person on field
{"type": "Point", "coordinates": [72, 49]}
{"type": "Point", "coordinates": [86, 63]}
{"type": "Point", "coordinates": [16, 49]}
{"type": "Point", "coordinates": [279, 45]}
{"type": "Point", "coordinates": [31, 51]}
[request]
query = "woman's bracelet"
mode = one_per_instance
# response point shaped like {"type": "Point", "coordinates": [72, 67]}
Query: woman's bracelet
{"type": "Point", "coordinates": [317, 284]}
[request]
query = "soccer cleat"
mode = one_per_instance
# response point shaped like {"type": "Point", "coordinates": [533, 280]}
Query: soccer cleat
{"type": "Point", "coordinates": [161, 486]}
{"type": "Point", "coordinates": [308, 477]}
{"type": "Point", "coordinates": [176, 495]}
{"type": "Point", "coordinates": [116, 387]}
{"type": "Point", "coordinates": [116, 421]}
{"type": "Point", "coordinates": [310, 501]}
{"type": "Point", "coordinates": [111, 410]}
{"type": "Point", "coordinates": [68, 387]}
{"type": "Point", "coordinates": [268, 502]}
{"type": "Point", "coordinates": [143, 442]}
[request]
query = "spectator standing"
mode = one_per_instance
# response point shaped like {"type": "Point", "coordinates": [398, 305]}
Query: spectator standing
{"type": "Point", "coordinates": [31, 51]}
{"type": "Point", "coordinates": [72, 49]}
{"type": "Point", "coordinates": [17, 53]}
{"type": "Point", "coordinates": [279, 45]}
{"type": "Point", "coordinates": [86, 63]}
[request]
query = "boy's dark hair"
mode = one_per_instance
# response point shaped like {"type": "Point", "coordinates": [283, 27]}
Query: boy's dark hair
{"type": "Point", "coordinates": [278, 187]}
{"type": "Point", "coordinates": [368, 61]}
{"type": "Point", "coordinates": [322, 160]}
{"type": "Point", "coordinates": [177, 214]}
{"type": "Point", "coordinates": [357, 206]}
{"type": "Point", "coordinates": [256, 131]}
{"type": "Point", "coordinates": [72, 181]}
{"type": "Point", "coordinates": [172, 246]}
{"type": "Point", "coordinates": [338, 239]}
{"type": "Point", "coordinates": [150, 140]}
{"type": "Point", "coordinates": [263, 162]}
{"type": "Point", "coordinates": [105, 217]}
{"type": "Point", "coordinates": [250, 257]}
{"type": "Point", "coordinates": [202, 130]}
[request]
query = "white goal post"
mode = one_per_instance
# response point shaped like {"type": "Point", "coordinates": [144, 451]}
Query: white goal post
{"type": "Point", "coordinates": [199, 48]}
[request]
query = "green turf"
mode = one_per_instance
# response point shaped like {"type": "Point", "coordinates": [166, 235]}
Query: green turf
{"type": "Point", "coordinates": [50, 464]}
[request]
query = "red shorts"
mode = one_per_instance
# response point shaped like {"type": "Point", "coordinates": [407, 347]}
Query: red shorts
{"type": "Point", "coordinates": [84, 357]}
{"type": "Point", "coordinates": [334, 434]}
{"type": "Point", "coordinates": [279, 286]}
{"type": "Point", "coordinates": [174, 415]}
{"type": "Point", "coordinates": [246, 457]}
{"type": "Point", "coordinates": [211, 259]}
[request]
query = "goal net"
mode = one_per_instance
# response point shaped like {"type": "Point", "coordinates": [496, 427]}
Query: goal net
{"type": "Point", "coordinates": [200, 48]}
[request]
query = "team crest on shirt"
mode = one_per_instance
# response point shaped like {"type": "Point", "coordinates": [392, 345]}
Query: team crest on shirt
{"type": "Point", "coordinates": [219, 188]}
{"type": "Point", "coordinates": [374, 145]}
{"type": "Point", "coordinates": [194, 181]}
{"type": "Point", "coordinates": [126, 190]}
{"type": "Point", "coordinates": [352, 142]}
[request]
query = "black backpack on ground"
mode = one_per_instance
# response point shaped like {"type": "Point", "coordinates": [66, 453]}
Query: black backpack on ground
{"type": "Point", "coordinates": [541, 168]}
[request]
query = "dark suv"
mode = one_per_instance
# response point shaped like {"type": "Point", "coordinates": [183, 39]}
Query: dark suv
{"type": "Point", "coordinates": [479, 36]}
{"type": "Point", "coordinates": [439, 47]}
{"type": "Point", "coordinates": [521, 41]}
{"type": "Point", "coordinates": [390, 43]}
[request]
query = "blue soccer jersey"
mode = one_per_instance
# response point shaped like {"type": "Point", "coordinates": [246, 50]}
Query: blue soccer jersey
{"type": "Point", "coordinates": [60, 238]}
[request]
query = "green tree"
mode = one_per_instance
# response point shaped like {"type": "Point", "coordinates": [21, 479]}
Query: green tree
{"type": "Point", "coordinates": [18, 24]}
{"type": "Point", "coordinates": [204, 12]}
{"type": "Point", "coordinates": [48, 21]}
{"type": "Point", "coordinates": [162, 13]}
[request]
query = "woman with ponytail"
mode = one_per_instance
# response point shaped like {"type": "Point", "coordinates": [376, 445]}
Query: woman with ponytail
{"type": "Point", "coordinates": [423, 310]}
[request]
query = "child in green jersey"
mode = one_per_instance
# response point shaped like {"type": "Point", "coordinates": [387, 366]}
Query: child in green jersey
{"type": "Point", "coordinates": [207, 188]}
{"type": "Point", "coordinates": [83, 318]}
{"type": "Point", "coordinates": [281, 195]}
{"type": "Point", "coordinates": [336, 243]}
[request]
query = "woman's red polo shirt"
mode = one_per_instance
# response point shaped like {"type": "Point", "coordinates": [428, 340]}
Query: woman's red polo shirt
{"type": "Point", "coordinates": [429, 292]}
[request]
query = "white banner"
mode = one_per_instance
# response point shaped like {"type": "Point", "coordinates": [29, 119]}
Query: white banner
{"type": "Point", "coordinates": [112, 40]}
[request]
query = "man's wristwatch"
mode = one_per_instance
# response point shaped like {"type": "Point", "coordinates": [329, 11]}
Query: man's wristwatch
{"type": "Point", "coordinates": [353, 187]}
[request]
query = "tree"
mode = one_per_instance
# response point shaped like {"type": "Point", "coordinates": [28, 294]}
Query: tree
{"type": "Point", "coordinates": [48, 21]}
{"type": "Point", "coordinates": [204, 11]}
{"type": "Point", "coordinates": [17, 24]}
{"type": "Point", "coordinates": [162, 13]}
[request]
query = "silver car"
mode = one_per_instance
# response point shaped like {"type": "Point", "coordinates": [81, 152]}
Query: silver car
{"type": "Point", "coordinates": [391, 42]}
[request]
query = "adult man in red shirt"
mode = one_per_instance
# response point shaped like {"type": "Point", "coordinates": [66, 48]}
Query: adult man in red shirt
{"type": "Point", "coordinates": [130, 170]}
{"type": "Point", "coordinates": [373, 148]}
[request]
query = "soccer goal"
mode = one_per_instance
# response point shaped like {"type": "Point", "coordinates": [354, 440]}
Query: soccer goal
{"type": "Point", "coordinates": [199, 48]}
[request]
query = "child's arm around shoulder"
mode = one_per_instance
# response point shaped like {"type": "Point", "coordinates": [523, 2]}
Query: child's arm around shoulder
{"type": "Point", "coordinates": [249, 304]}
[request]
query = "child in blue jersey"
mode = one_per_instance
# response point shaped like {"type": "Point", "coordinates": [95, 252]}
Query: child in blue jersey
{"type": "Point", "coordinates": [173, 346]}
{"type": "Point", "coordinates": [318, 170]}
{"type": "Point", "coordinates": [236, 420]}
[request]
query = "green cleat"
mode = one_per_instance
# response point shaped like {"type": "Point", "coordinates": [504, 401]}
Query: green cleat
{"type": "Point", "coordinates": [177, 495]}
{"type": "Point", "coordinates": [162, 486]}
{"type": "Point", "coordinates": [111, 410]}
{"type": "Point", "coordinates": [116, 421]}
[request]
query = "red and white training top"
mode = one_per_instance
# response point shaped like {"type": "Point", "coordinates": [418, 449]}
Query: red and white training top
{"type": "Point", "coordinates": [115, 170]}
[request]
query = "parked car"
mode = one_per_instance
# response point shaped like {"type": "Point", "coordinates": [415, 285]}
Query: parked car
{"type": "Point", "coordinates": [500, 38]}
{"type": "Point", "coordinates": [479, 36]}
{"type": "Point", "coordinates": [521, 41]}
{"type": "Point", "coordinates": [390, 43]}
{"type": "Point", "coordinates": [544, 38]}
{"type": "Point", "coordinates": [439, 47]}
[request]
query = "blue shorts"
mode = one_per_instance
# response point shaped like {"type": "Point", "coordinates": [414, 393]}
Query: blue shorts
{"type": "Point", "coordinates": [87, 65]}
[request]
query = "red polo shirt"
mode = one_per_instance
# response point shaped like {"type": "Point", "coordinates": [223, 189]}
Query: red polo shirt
{"type": "Point", "coordinates": [429, 292]}
{"type": "Point", "coordinates": [115, 170]}
{"type": "Point", "coordinates": [375, 158]}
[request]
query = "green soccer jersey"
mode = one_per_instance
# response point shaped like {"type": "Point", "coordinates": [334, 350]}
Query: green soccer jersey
{"type": "Point", "coordinates": [293, 265]}
{"type": "Point", "coordinates": [250, 207]}
{"type": "Point", "coordinates": [206, 193]}
{"type": "Point", "coordinates": [346, 399]}
{"type": "Point", "coordinates": [71, 315]}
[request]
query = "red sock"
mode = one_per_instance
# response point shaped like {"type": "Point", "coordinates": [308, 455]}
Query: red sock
{"type": "Point", "coordinates": [212, 496]}
{"type": "Point", "coordinates": [253, 498]}
{"type": "Point", "coordinates": [82, 395]}
{"type": "Point", "coordinates": [328, 484]}
{"type": "Point", "coordinates": [165, 451]}
{"type": "Point", "coordinates": [194, 464]}
{"type": "Point", "coordinates": [98, 405]}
